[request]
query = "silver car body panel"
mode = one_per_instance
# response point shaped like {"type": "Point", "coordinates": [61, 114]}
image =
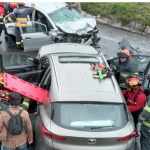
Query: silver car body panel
{"type": "Point", "coordinates": [34, 40]}
{"type": "Point", "coordinates": [11, 28]}
{"type": "Point", "coordinates": [73, 82]}
{"type": "Point", "coordinates": [79, 26]}
{"type": "Point", "coordinates": [66, 48]}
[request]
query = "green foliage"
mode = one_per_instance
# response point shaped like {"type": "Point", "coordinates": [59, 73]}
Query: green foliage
{"type": "Point", "coordinates": [124, 11]}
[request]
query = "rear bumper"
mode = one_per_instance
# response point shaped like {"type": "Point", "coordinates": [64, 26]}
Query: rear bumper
{"type": "Point", "coordinates": [47, 144]}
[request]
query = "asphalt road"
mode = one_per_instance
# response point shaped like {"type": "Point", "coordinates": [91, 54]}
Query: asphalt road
{"type": "Point", "coordinates": [109, 45]}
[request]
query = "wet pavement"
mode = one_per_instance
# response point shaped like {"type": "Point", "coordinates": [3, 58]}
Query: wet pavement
{"type": "Point", "coordinates": [109, 45]}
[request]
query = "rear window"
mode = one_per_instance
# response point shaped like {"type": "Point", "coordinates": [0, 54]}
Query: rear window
{"type": "Point", "coordinates": [91, 117]}
{"type": "Point", "coordinates": [78, 59]}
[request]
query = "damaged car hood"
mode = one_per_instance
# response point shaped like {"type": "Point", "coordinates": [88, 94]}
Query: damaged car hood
{"type": "Point", "coordinates": [80, 26]}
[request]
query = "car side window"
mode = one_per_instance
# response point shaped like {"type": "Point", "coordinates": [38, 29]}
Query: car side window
{"type": "Point", "coordinates": [33, 27]}
{"type": "Point", "coordinates": [41, 18]}
{"type": "Point", "coordinates": [17, 59]}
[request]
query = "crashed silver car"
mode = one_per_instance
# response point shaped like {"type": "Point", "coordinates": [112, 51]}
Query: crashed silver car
{"type": "Point", "coordinates": [55, 23]}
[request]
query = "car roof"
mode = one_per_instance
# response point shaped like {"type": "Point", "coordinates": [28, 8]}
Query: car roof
{"type": "Point", "coordinates": [66, 48]}
{"type": "Point", "coordinates": [76, 83]}
{"type": "Point", "coordinates": [48, 7]}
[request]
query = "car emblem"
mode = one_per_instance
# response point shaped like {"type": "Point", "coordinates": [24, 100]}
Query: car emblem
{"type": "Point", "coordinates": [92, 141]}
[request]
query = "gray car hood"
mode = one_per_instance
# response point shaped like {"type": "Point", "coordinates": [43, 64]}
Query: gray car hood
{"type": "Point", "coordinates": [80, 26]}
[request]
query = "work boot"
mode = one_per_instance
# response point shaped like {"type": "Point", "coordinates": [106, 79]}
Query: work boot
{"type": "Point", "coordinates": [18, 46]}
{"type": "Point", "coordinates": [0, 42]}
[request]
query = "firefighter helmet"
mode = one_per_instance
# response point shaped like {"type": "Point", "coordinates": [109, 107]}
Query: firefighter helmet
{"type": "Point", "coordinates": [2, 4]}
{"type": "Point", "coordinates": [124, 54]}
{"type": "Point", "coordinates": [4, 95]}
{"type": "Point", "coordinates": [21, 3]}
{"type": "Point", "coordinates": [13, 5]}
{"type": "Point", "coordinates": [134, 83]}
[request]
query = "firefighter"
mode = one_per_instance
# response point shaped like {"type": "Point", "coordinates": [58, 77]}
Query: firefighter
{"type": "Point", "coordinates": [124, 65]}
{"type": "Point", "coordinates": [21, 13]}
{"type": "Point", "coordinates": [9, 7]}
{"type": "Point", "coordinates": [76, 6]}
{"type": "Point", "coordinates": [135, 98]}
{"type": "Point", "coordinates": [2, 14]}
{"type": "Point", "coordinates": [144, 118]}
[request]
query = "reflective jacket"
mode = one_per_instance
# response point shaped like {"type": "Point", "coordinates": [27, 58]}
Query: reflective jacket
{"type": "Point", "coordinates": [2, 14]}
{"type": "Point", "coordinates": [135, 100]}
{"type": "Point", "coordinates": [126, 66]}
{"type": "Point", "coordinates": [144, 117]}
{"type": "Point", "coordinates": [21, 14]}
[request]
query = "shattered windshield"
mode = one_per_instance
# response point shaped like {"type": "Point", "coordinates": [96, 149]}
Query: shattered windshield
{"type": "Point", "coordinates": [64, 15]}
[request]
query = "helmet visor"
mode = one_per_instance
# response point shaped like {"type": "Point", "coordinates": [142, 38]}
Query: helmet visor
{"type": "Point", "coordinates": [122, 55]}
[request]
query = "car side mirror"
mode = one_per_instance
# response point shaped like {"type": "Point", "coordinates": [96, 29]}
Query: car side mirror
{"type": "Point", "coordinates": [29, 59]}
{"type": "Point", "coordinates": [32, 60]}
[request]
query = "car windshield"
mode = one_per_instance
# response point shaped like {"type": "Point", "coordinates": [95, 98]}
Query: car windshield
{"type": "Point", "coordinates": [64, 15]}
{"type": "Point", "coordinates": [89, 116]}
{"type": "Point", "coordinates": [78, 59]}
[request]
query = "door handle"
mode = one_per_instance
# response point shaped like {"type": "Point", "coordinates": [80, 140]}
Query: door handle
{"type": "Point", "coordinates": [10, 26]}
{"type": "Point", "coordinates": [27, 38]}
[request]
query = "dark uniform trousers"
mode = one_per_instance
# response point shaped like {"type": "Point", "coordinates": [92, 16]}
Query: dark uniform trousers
{"type": "Point", "coordinates": [19, 41]}
{"type": "Point", "coordinates": [145, 138]}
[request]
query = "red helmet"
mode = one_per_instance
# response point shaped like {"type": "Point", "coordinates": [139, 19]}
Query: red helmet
{"type": "Point", "coordinates": [134, 83]}
{"type": "Point", "coordinates": [4, 95]}
{"type": "Point", "coordinates": [21, 3]}
{"type": "Point", "coordinates": [2, 4]}
{"type": "Point", "coordinates": [124, 54]}
{"type": "Point", "coordinates": [13, 5]}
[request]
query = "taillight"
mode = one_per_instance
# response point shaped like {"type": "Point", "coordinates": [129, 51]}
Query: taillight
{"type": "Point", "coordinates": [48, 134]}
{"type": "Point", "coordinates": [133, 135]}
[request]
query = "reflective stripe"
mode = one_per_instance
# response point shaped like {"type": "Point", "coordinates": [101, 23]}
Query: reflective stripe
{"type": "Point", "coordinates": [25, 103]}
{"type": "Point", "coordinates": [5, 35]}
{"type": "Point", "coordinates": [22, 41]}
{"type": "Point", "coordinates": [1, 23]}
{"type": "Point", "coordinates": [18, 43]}
{"type": "Point", "coordinates": [21, 19]}
{"type": "Point", "coordinates": [9, 19]}
{"type": "Point", "coordinates": [147, 108]}
{"type": "Point", "coordinates": [22, 23]}
{"type": "Point", "coordinates": [141, 118]}
{"type": "Point", "coordinates": [1, 17]}
{"type": "Point", "coordinates": [124, 75]}
{"type": "Point", "coordinates": [146, 123]}
{"type": "Point", "coordinates": [33, 6]}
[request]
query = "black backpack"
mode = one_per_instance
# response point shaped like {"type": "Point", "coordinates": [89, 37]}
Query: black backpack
{"type": "Point", "coordinates": [15, 124]}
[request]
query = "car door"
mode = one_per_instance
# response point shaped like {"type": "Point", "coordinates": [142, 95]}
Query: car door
{"type": "Point", "coordinates": [34, 36]}
{"type": "Point", "coordinates": [141, 62]}
{"type": "Point", "coordinates": [10, 26]}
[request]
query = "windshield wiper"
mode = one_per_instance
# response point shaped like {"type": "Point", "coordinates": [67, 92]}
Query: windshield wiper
{"type": "Point", "coordinates": [101, 127]}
